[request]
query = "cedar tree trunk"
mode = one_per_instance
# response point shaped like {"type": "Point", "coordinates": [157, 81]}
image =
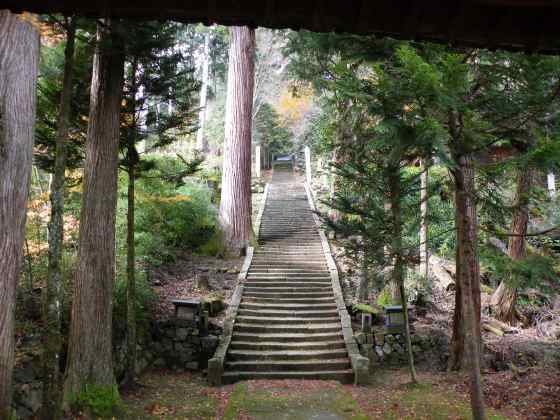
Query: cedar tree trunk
{"type": "Point", "coordinates": [90, 360]}
{"type": "Point", "coordinates": [424, 256]}
{"type": "Point", "coordinates": [466, 340]}
{"type": "Point", "coordinates": [52, 310]}
{"type": "Point", "coordinates": [200, 143]}
{"type": "Point", "coordinates": [130, 270]}
{"type": "Point", "coordinates": [19, 62]}
{"type": "Point", "coordinates": [235, 204]}
{"type": "Point", "coordinates": [503, 299]}
{"type": "Point", "coordinates": [131, 163]}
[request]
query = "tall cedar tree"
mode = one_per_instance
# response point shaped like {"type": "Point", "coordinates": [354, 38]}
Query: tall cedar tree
{"type": "Point", "coordinates": [235, 203]}
{"type": "Point", "coordinates": [90, 356]}
{"type": "Point", "coordinates": [53, 291]}
{"type": "Point", "coordinates": [19, 62]}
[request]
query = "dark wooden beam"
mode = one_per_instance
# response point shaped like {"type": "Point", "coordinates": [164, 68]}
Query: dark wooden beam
{"type": "Point", "coordinates": [521, 24]}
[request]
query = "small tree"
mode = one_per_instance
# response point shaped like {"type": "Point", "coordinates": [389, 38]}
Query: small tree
{"type": "Point", "coordinates": [153, 76]}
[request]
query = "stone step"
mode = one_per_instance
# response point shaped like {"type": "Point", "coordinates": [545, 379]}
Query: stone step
{"type": "Point", "coordinates": [324, 290]}
{"type": "Point", "coordinates": [288, 280]}
{"type": "Point", "coordinates": [288, 294]}
{"type": "Point", "coordinates": [286, 355]}
{"type": "Point", "coordinates": [278, 345]}
{"type": "Point", "coordinates": [309, 365]}
{"type": "Point", "coordinates": [272, 257]}
{"type": "Point", "coordinates": [289, 313]}
{"type": "Point", "coordinates": [286, 337]}
{"type": "Point", "coordinates": [345, 376]}
{"type": "Point", "coordinates": [284, 301]}
{"type": "Point", "coordinates": [300, 285]}
{"type": "Point", "coordinates": [299, 265]}
{"type": "Point", "coordinates": [312, 246]}
{"type": "Point", "coordinates": [287, 320]}
{"type": "Point", "coordinates": [285, 271]}
{"type": "Point", "coordinates": [288, 328]}
{"type": "Point", "coordinates": [287, 250]}
{"type": "Point", "coordinates": [290, 253]}
{"type": "Point", "coordinates": [258, 306]}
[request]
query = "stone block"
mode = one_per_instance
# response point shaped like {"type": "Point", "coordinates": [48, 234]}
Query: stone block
{"type": "Point", "coordinates": [387, 349]}
{"type": "Point", "coordinates": [192, 366]}
{"type": "Point", "coordinates": [398, 348]}
{"type": "Point", "coordinates": [209, 344]}
{"type": "Point", "coordinates": [182, 333]}
{"type": "Point", "coordinates": [360, 365]}
{"type": "Point", "coordinates": [379, 351]}
{"type": "Point", "coordinates": [215, 371]}
{"type": "Point", "coordinates": [379, 339]}
{"type": "Point", "coordinates": [159, 363]}
{"type": "Point", "coordinates": [179, 347]}
{"type": "Point", "coordinates": [361, 338]}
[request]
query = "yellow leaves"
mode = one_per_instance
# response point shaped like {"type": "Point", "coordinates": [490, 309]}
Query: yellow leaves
{"type": "Point", "coordinates": [293, 106]}
{"type": "Point", "coordinates": [164, 200]}
{"type": "Point", "coordinates": [48, 35]}
{"type": "Point", "coordinates": [33, 19]}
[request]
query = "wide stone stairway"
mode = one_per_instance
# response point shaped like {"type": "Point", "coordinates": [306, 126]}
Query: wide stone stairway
{"type": "Point", "coordinates": [287, 324]}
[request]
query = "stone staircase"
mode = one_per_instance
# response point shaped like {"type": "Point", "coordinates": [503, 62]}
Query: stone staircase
{"type": "Point", "coordinates": [287, 323]}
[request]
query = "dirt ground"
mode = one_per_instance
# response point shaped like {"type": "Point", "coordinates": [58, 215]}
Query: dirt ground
{"type": "Point", "coordinates": [166, 395]}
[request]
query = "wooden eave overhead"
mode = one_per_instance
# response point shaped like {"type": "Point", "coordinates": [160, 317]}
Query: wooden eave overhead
{"type": "Point", "coordinates": [529, 25]}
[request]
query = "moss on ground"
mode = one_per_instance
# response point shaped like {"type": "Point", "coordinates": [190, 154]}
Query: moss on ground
{"type": "Point", "coordinates": [294, 400]}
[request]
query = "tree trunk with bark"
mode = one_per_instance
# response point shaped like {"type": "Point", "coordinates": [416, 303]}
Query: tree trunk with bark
{"type": "Point", "coordinates": [504, 298]}
{"type": "Point", "coordinates": [424, 256]}
{"type": "Point", "coordinates": [90, 346]}
{"type": "Point", "coordinates": [130, 269]}
{"type": "Point", "coordinates": [19, 63]}
{"type": "Point", "coordinates": [235, 204]}
{"type": "Point", "coordinates": [466, 340]}
{"type": "Point", "coordinates": [53, 292]}
{"type": "Point", "coordinates": [132, 159]}
{"type": "Point", "coordinates": [200, 143]}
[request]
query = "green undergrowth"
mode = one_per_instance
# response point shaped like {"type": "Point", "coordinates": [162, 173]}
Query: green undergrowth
{"type": "Point", "coordinates": [98, 401]}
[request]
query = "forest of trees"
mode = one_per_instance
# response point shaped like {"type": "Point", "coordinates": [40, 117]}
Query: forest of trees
{"type": "Point", "coordinates": [124, 142]}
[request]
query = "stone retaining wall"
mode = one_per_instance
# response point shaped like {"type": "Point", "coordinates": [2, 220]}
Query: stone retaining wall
{"type": "Point", "coordinates": [389, 349]}
{"type": "Point", "coordinates": [177, 345]}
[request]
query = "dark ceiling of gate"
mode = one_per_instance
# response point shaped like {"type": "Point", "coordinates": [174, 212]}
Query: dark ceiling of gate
{"type": "Point", "coordinates": [509, 24]}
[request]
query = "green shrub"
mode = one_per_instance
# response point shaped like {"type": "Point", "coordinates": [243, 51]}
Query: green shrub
{"type": "Point", "coordinates": [171, 213]}
{"type": "Point", "coordinates": [384, 297]}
